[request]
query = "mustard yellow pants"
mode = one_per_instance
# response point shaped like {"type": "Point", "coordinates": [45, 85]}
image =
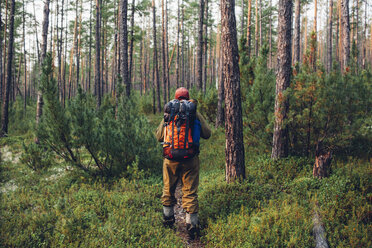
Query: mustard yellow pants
{"type": "Point", "coordinates": [188, 172]}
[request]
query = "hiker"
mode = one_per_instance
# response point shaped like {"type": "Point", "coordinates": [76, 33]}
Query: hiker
{"type": "Point", "coordinates": [186, 167]}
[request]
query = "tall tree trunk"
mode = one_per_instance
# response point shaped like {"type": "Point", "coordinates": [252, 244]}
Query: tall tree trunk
{"type": "Point", "coordinates": [205, 77]}
{"type": "Point", "coordinates": [283, 77]}
{"type": "Point", "coordinates": [167, 49]}
{"type": "Point", "coordinates": [242, 20]}
{"type": "Point", "coordinates": [24, 58]}
{"type": "Point", "coordinates": [5, 110]}
{"type": "Point", "coordinates": [364, 60]}
{"type": "Point", "coordinates": [90, 47]}
{"type": "Point", "coordinates": [178, 46]}
{"type": "Point", "coordinates": [156, 70]}
{"type": "Point", "coordinates": [220, 119]}
{"type": "Point", "coordinates": [256, 31]}
{"type": "Point", "coordinates": [97, 69]}
{"type": "Point", "coordinates": [1, 56]}
{"type": "Point", "coordinates": [164, 64]}
{"type": "Point", "coordinates": [329, 60]}
{"type": "Point", "coordinates": [39, 105]}
{"type": "Point", "coordinates": [345, 34]}
{"type": "Point", "coordinates": [297, 31]}
{"type": "Point", "coordinates": [248, 45]}
{"type": "Point", "coordinates": [200, 45]}
{"type": "Point", "coordinates": [270, 36]}
{"type": "Point", "coordinates": [124, 45]}
{"type": "Point", "coordinates": [4, 47]}
{"type": "Point", "coordinates": [234, 150]}
{"type": "Point", "coordinates": [260, 23]}
{"type": "Point", "coordinates": [130, 75]}
{"type": "Point", "coordinates": [183, 46]}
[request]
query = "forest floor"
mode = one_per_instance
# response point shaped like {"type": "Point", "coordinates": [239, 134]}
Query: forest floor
{"type": "Point", "coordinates": [180, 216]}
{"type": "Point", "coordinates": [63, 207]}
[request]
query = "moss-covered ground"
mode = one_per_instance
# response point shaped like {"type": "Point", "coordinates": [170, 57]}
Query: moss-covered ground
{"type": "Point", "coordinates": [273, 207]}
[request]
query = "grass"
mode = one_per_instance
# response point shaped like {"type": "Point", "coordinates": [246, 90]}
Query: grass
{"type": "Point", "coordinates": [61, 207]}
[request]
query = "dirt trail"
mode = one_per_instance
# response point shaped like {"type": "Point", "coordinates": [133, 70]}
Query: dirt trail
{"type": "Point", "coordinates": [180, 216]}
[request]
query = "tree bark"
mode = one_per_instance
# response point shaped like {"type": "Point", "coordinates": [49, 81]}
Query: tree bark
{"type": "Point", "coordinates": [283, 77]}
{"type": "Point", "coordinates": [164, 64]}
{"type": "Point", "coordinates": [200, 45]}
{"type": "Point", "coordinates": [249, 29]}
{"type": "Point", "coordinates": [329, 60]}
{"type": "Point", "coordinates": [5, 110]}
{"type": "Point", "coordinates": [97, 67]}
{"type": "Point", "coordinates": [124, 46]}
{"type": "Point", "coordinates": [256, 31]}
{"type": "Point", "coordinates": [297, 32]}
{"type": "Point", "coordinates": [178, 46]}
{"type": "Point", "coordinates": [234, 150]}
{"type": "Point", "coordinates": [130, 76]}
{"type": "Point", "coordinates": [220, 119]}
{"type": "Point", "coordinates": [39, 105]}
{"type": "Point", "coordinates": [156, 70]}
{"type": "Point", "coordinates": [205, 77]}
{"type": "Point", "coordinates": [345, 34]}
{"type": "Point", "coordinates": [1, 57]}
{"type": "Point", "coordinates": [24, 58]}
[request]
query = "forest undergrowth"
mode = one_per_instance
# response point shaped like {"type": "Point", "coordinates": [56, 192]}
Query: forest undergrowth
{"type": "Point", "coordinates": [62, 206]}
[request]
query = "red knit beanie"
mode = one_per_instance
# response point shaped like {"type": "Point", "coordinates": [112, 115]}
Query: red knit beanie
{"type": "Point", "coordinates": [182, 93]}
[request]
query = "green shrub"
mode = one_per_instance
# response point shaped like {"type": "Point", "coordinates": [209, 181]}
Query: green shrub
{"type": "Point", "coordinates": [36, 157]}
{"type": "Point", "coordinates": [110, 138]}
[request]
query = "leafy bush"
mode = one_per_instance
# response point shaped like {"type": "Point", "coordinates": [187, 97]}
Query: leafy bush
{"type": "Point", "coordinates": [258, 107]}
{"type": "Point", "coordinates": [111, 137]}
{"type": "Point", "coordinates": [36, 157]}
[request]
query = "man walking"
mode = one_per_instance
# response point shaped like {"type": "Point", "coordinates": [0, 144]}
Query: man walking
{"type": "Point", "coordinates": [186, 170]}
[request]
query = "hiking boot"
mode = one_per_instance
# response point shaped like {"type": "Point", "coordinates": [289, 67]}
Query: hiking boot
{"type": "Point", "coordinates": [168, 216]}
{"type": "Point", "coordinates": [193, 231]}
{"type": "Point", "coordinates": [192, 225]}
{"type": "Point", "coordinates": [168, 221]}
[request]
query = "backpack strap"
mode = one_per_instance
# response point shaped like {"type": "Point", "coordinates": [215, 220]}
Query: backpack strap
{"type": "Point", "coordinates": [187, 124]}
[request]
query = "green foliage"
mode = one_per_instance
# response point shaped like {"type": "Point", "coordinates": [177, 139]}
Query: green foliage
{"type": "Point", "coordinates": [207, 103]}
{"type": "Point", "coordinates": [110, 138]}
{"type": "Point", "coordinates": [36, 157]}
{"type": "Point", "coordinates": [258, 107]}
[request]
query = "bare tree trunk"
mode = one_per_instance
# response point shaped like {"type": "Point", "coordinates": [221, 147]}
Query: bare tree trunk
{"type": "Point", "coordinates": [234, 150]}
{"type": "Point", "coordinates": [39, 105]}
{"type": "Point", "coordinates": [256, 31]}
{"type": "Point", "coordinates": [297, 31]}
{"type": "Point", "coordinates": [345, 34]}
{"type": "Point", "coordinates": [167, 48]}
{"type": "Point", "coordinates": [24, 58]}
{"type": "Point", "coordinates": [124, 45]}
{"type": "Point", "coordinates": [242, 20]}
{"type": "Point", "coordinates": [205, 77]}
{"type": "Point", "coordinates": [5, 110]}
{"type": "Point", "coordinates": [260, 23]}
{"type": "Point", "coordinates": [156, 59]}
{"type": "Point", "coordinates": [364, 60]}
{"type": "Point", "coordinates": [283, 77]}
{"type": "Point", "coordinates": [270, 37]}
{"type": "Point", "coordinates": [248, 45]}
{"type": "Point", "coordinates": [200, 45]}
{"type": "Point", "coordinates": [220, 119]}
{"type": "Point", "coordinates": [4, 49]}
{"type": "Point", "coordinates": [130, 75]}
{"type": "Point", "coordinates": [183, 47]}
{"type": "Point", "coordinates": [90, 47]}
{"type": "Point", "coordinates": [329, 60]}
{"type": "Point", "coordinates": [1, 56]}
{"type": "Point", "coordinates": [164, 64]}
{"type": "Point", "coordinates": [178, 46]}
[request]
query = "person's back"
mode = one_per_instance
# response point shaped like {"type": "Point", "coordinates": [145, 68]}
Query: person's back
{"type": "Point", "coordinates": [186, 169]}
